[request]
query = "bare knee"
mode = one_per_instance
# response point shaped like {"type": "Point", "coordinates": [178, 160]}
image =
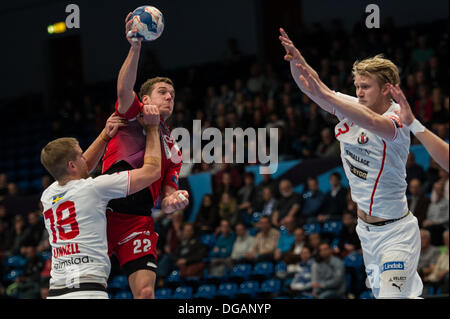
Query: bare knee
{"type": "Point", "coordinates": [146, 293]}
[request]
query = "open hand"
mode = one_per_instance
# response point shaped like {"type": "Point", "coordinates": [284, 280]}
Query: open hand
{"type": "Point", "coordinates": [405, 113]}
{"type": "Point", "coordinates": [292, 53]}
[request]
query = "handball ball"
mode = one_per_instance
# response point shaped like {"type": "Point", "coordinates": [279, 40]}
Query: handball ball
{"type": "Point", "coordinates": [149, 23]}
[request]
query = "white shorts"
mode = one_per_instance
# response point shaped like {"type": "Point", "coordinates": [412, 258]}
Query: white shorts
{"type": "Point", "coordinates": [391, 255]}
{"type": "Point", "coordinates": [82, 295]}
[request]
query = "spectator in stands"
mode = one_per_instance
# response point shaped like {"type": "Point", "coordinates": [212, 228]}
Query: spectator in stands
{"type": "Point", "coordinates": [314, 241]}
{"type": "Point", "coordinates": [269, 202]}
{"type": "Point", "coordinates": [423, 106]}
{"type": "Point", "coordinates": [28, 282]}
{"type": "Point", "coordinates": [288, 205]}
{"type": "Point", "coordinates": [228, 209]}
{"type": "Point", "coordinates": [302, 271]}
{"type": "Point", "coordinates": [207, 219]}
{"type": "Point", "coordinates": [429, 254]}
{"type": "Point", "coordinates": [312, 201]}
{"type": "Point", "coordinates": [265, 242]}
{"type": "Point", "coordinates": [3, 185]}
{"type": "Point", "coordinates": [225, 186]}
{"type": "Point", "coordinates": [243, 243]}
{"type": "Point", "coordinates": [414, 170]}
{"type": "Point", "coordinates": [286, 239]}
{"type": "Point", "coordinates": [438, 278]}
{"type": "Point", "coordinates": [13, 190]}
{"type": "Point", "coordinates": [190, 253]}
{"type": "Point", "coordinates": [171, 239]}
{"type": "Point", "coordinates": [267, 181]}
{"type": "Point", "coordinates": [348, 238]}
{"type": "Point", "coordinates": [335, 200]}
{"type": "Point", "coordinates": [417, 202]}
{"type": "Point", "coordinates": [19, 235]}
{"type": "Point", "coordinates": [6, 237]}
{"type": "Point", "coordinates": [328, 146]}
{"type": "Point", "coordinates": [35, 228]}
{"type": "Point", "coordinates": [437, 215]}
{"type": "Point", "coordinates": [422, 53]}
{"type": "Point", "coordinates": [4, 216]}
{"type": "Point", "coordinates": [246, 197]}
{"type": "Point", "coordinates": [293, 255]}
{"type": "Point", "coordinates": [328, 275]}
{"type": "Point", "coordinates": [256, 81]}
{"type": "Point", "coordinates": [222, 249]}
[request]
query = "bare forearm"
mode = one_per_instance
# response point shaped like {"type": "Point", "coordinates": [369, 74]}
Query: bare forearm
{"type": "Point", "coordinates": [437, 148]}
{"type": "Point", "coordinates": [127, 79]}
{"type": "Point", "coordinates": [362, 115]}
{"type": "Point", "coordinates": [95, 151]}
{"type": "Point", "coordinates": [151, 169]}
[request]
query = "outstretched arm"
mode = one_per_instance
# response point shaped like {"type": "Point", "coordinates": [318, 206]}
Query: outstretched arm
{"type": "Point", "coordinates": [438, 149]}
{"type": "Point", "coordinates": [356, 112]}
{"type": "Point", "coordinates": [128, 71]}
{"type": "Point", "coordinates": [294, 57]}
{"type": "Point", "coordinates": [95, 151]}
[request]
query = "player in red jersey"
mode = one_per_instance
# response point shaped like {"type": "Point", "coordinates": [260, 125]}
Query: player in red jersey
{"type": "Point", "coordinates": [130, 228]}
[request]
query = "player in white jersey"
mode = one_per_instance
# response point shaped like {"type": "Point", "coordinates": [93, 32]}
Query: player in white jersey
{"type": "Point", "coordinates": [75, 206]}
{"type": "Point", "coordinates": [374, 150]}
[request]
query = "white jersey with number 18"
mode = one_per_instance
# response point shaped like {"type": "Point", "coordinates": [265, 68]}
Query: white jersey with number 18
{"type": "Point", "coordinates": [76, 222]}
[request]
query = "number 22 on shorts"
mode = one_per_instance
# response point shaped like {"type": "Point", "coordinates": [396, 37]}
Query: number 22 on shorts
{"type": "Point", "coordinates": [144, 243]}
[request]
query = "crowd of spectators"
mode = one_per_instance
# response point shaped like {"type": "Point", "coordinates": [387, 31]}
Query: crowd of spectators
{"type": "Point", "coordinates": [265, 222]}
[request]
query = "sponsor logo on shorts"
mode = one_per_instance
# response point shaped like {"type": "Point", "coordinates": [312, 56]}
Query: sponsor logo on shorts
{"type": "Point", "coordinates": [399, 286]}
{"type": "Point", "coordinates": [72, 262]}
{"type": "Point", "coordinates": [393, 265]}
{"type": "Point", "coordinates": [360, 173]}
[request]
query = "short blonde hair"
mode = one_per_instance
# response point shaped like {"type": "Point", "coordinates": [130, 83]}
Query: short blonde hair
{"type": "Point", "coordinates": [57, 153]}
{"type": "Point", "coordinates": [383, 69]}
{"type": "Point", "coordinates": [147, 86]}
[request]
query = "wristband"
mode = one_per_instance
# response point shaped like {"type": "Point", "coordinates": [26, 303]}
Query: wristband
{"type": "Point", "coordinates": [416, 127]}
{"type": "Point", "coordinates": [105, 136]}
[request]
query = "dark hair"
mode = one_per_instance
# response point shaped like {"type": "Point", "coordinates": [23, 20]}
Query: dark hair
{"type": "Point", "coordinates": [337, 175]}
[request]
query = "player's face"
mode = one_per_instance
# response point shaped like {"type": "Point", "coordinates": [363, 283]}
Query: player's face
{"type": "Point", "coordinates": [81, 164]}
{"type": "Point", "coordinates": [368, 91]}
{"type": "Point", "coordinates": [163, 96]}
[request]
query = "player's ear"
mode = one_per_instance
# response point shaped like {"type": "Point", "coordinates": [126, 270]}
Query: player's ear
{"type": "Point", "coordinates": [146, 99]}
{"type": "Point", "coordinates": [385, 90]}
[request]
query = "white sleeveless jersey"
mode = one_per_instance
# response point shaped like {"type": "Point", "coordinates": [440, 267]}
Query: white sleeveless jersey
{"type": "Point", "coordinates": [375, 168]}
{"type": "Point", "coordinates": [76, 222]}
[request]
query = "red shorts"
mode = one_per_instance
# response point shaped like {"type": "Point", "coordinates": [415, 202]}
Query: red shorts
{"type": "Point", "coordinates": [130, 236]}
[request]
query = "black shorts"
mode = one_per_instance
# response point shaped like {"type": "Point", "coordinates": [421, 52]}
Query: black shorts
{"type": "Point", "coordinates": [145, 262]}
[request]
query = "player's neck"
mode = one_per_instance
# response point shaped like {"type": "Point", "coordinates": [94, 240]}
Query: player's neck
{"type": "Point", "coordinates": [63, 181]}
{"type": "Point", "coordinates": [382, 107]}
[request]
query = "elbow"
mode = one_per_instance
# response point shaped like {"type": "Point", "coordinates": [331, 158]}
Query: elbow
{"type": "Point", "coordinates": [155, 174]}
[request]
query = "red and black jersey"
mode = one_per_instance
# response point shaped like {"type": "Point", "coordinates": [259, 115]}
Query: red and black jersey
{"type": "Point", "coordinates": [127, 148]}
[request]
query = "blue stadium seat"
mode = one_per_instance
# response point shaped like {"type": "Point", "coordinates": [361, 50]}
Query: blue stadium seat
{"type": "Point", "coordinates": [354, 260]}
{"type": "Point", "coordinates": [255, 217]}
{"type": "Point", "coordinates": [119, 282]}
{"type": "Point", "coordinates": [334, 243]}
{"type": "Point", "coordinates": [333, 227]}
{"type": "Point", "coordinates": [311, 228]}
{"type": "Point", "coordinates": [212, 279]}
{"type": "Point", "coordinates": [182, 292]}
{"type": "Point", "coordinates": [248, 288]}
{"type": "Point", "coordinates": [272, 286]}
{"type": "Point", "coordinates": [124, 294]}
{"type": "Point", "coordinates": [12, 275]}
{"type": "Point", "coordinates": [163, 293]}
{"type": "Point", "coordinates": [23, 185]}
{"type": "Point", "coordinates": [281, 269]}
{"type": "Point", "coordinates": [206, 292]}
{"type": "Point", "coordinates": [253, 231]}
{"type": "Point", "coordinates": [227, 290]}
{"type": "Point", "coordinates": [263, 270]}
{"type": "Point", "coordinates": [46, 255]}
{"type": "Point", "coordinates": [174, 278]}
{"type": "Point", "coordinates": [240, 272]}
{"type": "Point", "coordinates": [209, 240]}
{"type": "Point", "coordinates": [367, 295]}
{"type": "Point", "coordinates": [16, 261]}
